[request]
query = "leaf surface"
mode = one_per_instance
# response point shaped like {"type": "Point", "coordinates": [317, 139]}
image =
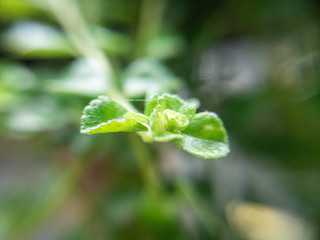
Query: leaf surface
{"type": "Point", "coordinates": [169, 114]}
{"type": "Point", "coordinates": [105, 115]}
{"type": "Point", "coordinates": [171, 102]}
{"type": "Point", "coordinates": [159, 128]}
{"type": "Point", "coordinates": [205, 137]}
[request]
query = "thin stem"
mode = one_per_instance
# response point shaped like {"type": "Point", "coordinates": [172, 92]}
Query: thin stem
{"type": "Point", "coordinates": [144, 159]}
{"type": "Point", "coordinates": [149, 24]}
{"type": "Point", "coordinates": [203, 212]}
{"type": "Point", "coordinates": [69, 16]}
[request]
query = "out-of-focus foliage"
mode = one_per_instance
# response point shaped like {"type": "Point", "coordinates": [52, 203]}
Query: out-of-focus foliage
{"type": "Point", "coordinates": [148, 75]}
{"type": "Point", "coordinates": [35, 40]}
{"type": "Point", "coordinates": [255, 63]}
{"type": "Point", "coordinates": [83, 77]}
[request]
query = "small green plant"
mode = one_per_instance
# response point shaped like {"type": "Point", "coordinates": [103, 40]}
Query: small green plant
{"type": "Point", "coordinates": [166, 118]}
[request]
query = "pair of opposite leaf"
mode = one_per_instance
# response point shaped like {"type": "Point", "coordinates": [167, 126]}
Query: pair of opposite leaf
{"type": "Point", "coordinates": [166, 118]}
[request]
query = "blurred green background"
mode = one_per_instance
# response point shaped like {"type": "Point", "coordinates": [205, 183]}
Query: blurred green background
{"type": "Point", "coordinates": [255, 63]}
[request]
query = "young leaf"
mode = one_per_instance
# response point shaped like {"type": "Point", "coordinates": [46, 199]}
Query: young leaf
{"type": "Point", "coordinates": [151, 104]}
{"type": "Point", "coordinates": [171, 102]}
{"type": "Point", "coordinates": [175, 121]}
{"type": "Point", "coordinates": [159, 129]}
{"type": "Point", "coordinates": [138, 117]}
{"type": "Point", "coordinates": [168, 116]}
{"type": "Point", "coordinates": [105, 115]}
{"type": "Point", "coordinates": [205, 137]}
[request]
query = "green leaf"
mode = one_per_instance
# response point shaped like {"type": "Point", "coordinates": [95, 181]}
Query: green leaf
{"type": "Point", "coordinates": [151, 104]}
{"type": "Point", "coordinates": [16, 77]}
{"type": "Point", "coordinates": [174, 120]}
{"type": "Point", "coordinates": [172, 102]}
{"type": "Point", "coordinates": [138, 117]}
{"type": "Point", "coordinates": [159, 128]}
{"type": "Point", "coordinates": [167, 118]}
{"type": "Point", "coordinates": [84, 77]}
{"type": "Point", "coordinates": [15, 81]}
{"type": "Point", "coordinates": [111, 41]}
{"type": "Point", "coordinates": [148, 75]}
{"type": "Point", "coordinates": [205, 137]}
{"type": "Point", "coordinates": [14, 10]}
{"type": "Point", "coordinates": [35, 114]}
{"type": "Point", "coordinates": [36, 40]}
{"type": "Point", "coordinates": [166, 46]}
{"type": "Point", "coordinates": [169, 115]}
{"type": "Point", "coordinates": [105, 115]}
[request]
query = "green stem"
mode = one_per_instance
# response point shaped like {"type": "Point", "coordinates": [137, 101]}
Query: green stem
{"type": "Point", "coordinates": [200, 208]}
{"type": "Point", "coordinates": [144, 159]}
{"type": "Point", "coordinates": [149, 24]}
{"type": "Point", "coordinates": [69, 16]}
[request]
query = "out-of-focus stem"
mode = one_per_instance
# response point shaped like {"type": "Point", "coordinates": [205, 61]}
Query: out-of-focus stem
{"type": "Point", "coordinates": [144, 159]}
{"type": "Point", "coordinates": [149, 24]}
{"type": "Point", "coordinates": [69, 16]}
{"type": "Point", "coordinates": [203, 212]}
